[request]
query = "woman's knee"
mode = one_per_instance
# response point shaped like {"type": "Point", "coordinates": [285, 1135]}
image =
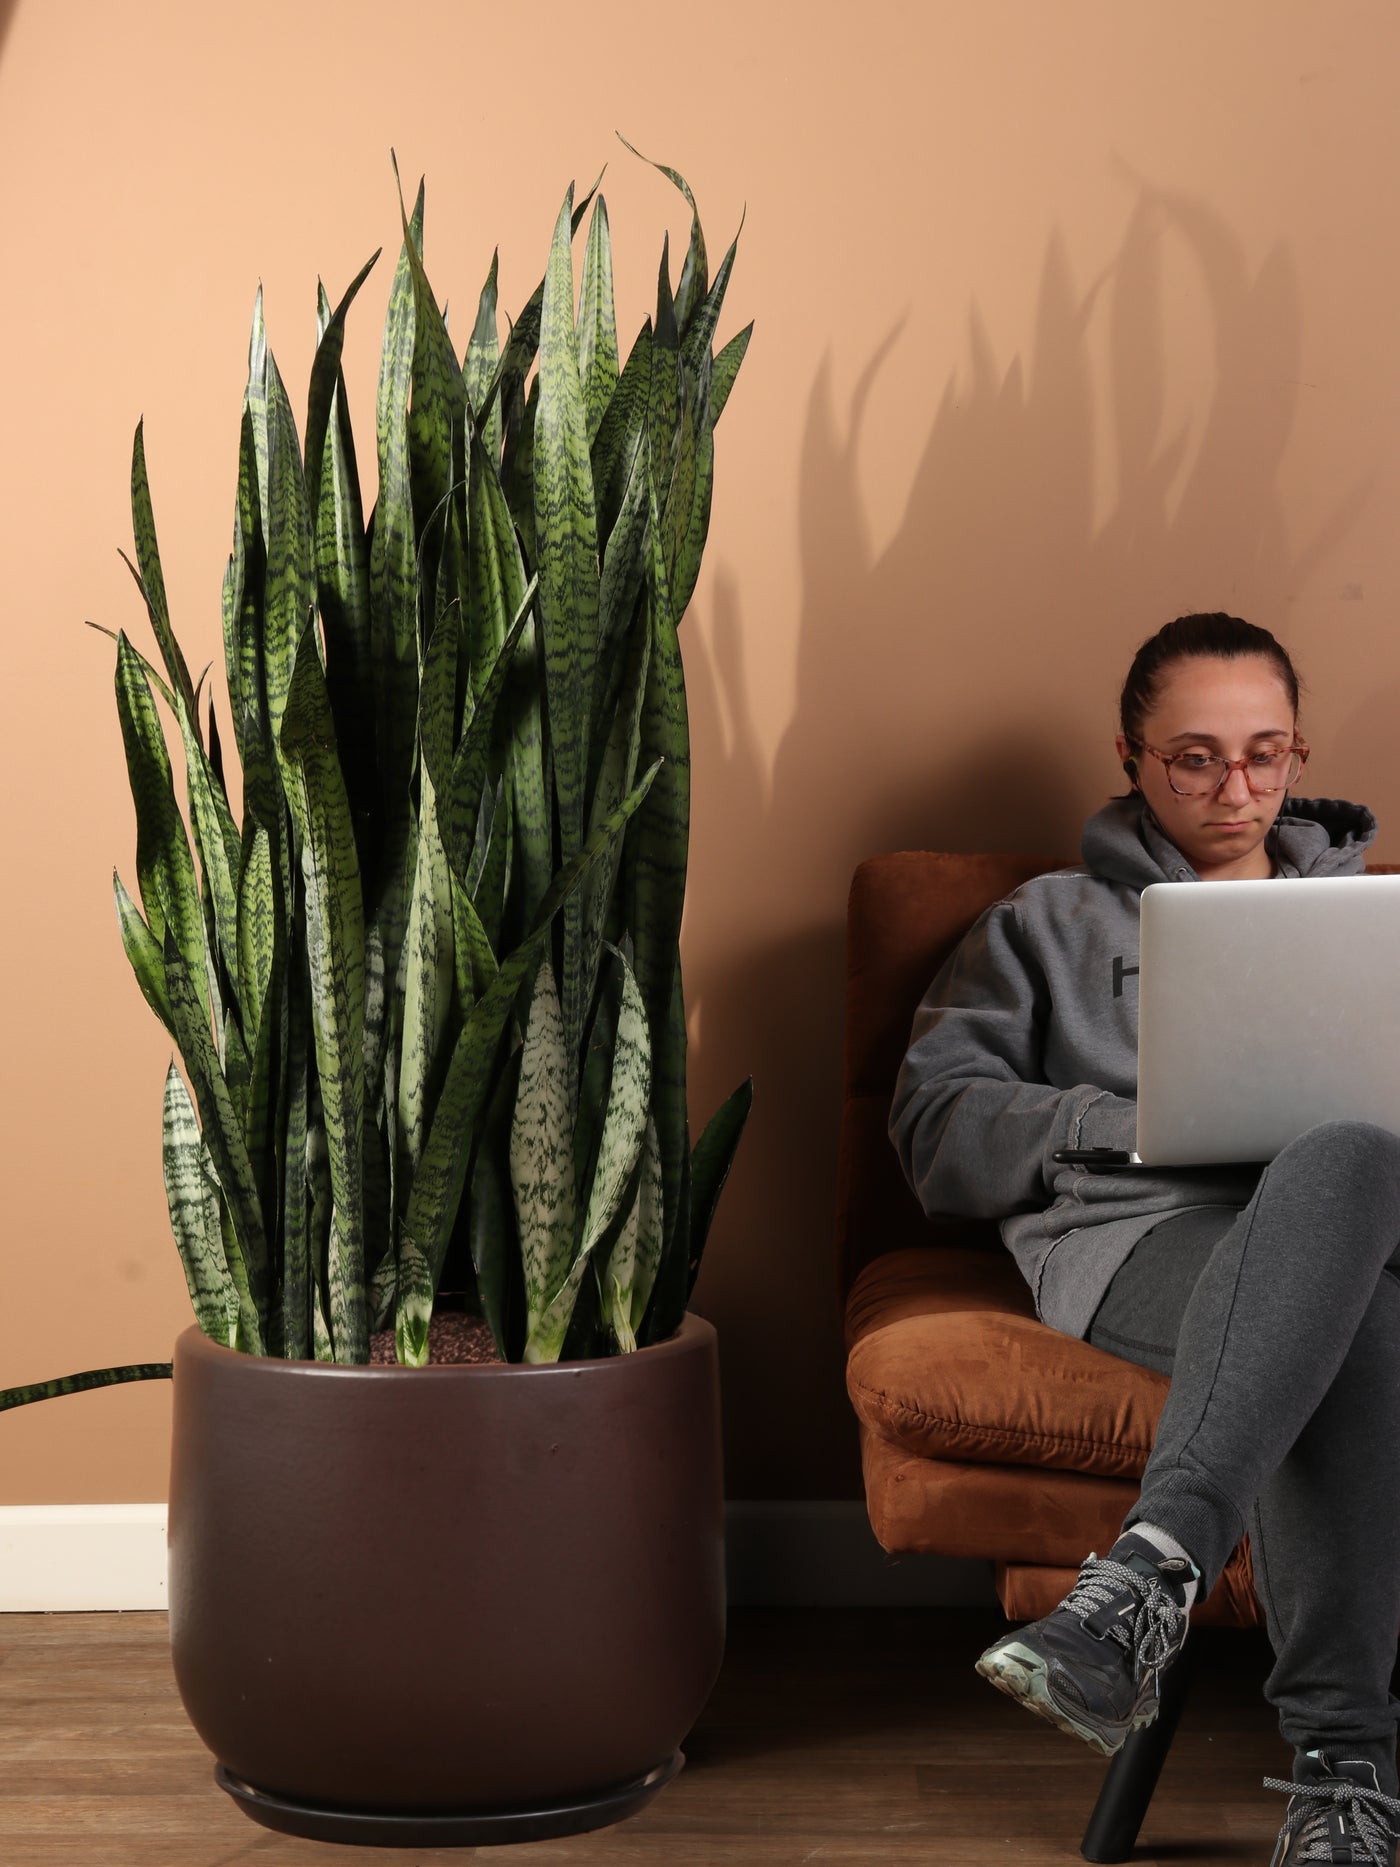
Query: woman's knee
{"type": "Point", "coordinates": [1361, 1148]}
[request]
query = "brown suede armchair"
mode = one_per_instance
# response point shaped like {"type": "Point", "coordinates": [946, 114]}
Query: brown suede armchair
{"type": "Point", "coordinates": [983, 1432]}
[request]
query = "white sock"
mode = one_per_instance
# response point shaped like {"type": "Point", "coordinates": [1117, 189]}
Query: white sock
{"type": "Point", "coordinates": [1164, 1541]}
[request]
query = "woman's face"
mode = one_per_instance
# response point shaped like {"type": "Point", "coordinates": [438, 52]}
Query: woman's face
{"type": "Point", "coordinates": [1231, 709]}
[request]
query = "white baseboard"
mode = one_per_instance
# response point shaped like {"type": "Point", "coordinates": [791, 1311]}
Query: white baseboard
{"type": "Point", "coordinates": [81, 1557]}
{"type": "Point", "coordinates": [57, 1558]}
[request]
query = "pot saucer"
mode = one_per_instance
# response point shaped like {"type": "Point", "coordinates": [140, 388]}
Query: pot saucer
{"type": "Point", "coordinates": [469, 1829]}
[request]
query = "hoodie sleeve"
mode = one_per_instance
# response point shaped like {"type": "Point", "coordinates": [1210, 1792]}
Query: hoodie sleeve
{"type": "Point", "coordinates": [973, 1119]}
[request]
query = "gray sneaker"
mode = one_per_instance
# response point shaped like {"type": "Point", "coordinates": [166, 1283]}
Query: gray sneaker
{"type": "Point", "coordinates": [1336, 1812]}
{"type": "Point", "coordinates": [1092, 1666]}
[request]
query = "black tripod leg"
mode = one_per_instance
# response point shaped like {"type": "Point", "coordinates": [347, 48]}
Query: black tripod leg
{"type": "Point", "coordinates": [1132, 1776]}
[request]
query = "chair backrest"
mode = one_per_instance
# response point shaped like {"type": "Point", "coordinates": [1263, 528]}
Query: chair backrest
{"type": "Point", "coordinates": [905, 915]}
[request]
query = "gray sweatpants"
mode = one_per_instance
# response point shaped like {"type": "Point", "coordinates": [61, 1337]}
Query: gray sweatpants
{"type": "Point", "coordinates": [1280, 1328]}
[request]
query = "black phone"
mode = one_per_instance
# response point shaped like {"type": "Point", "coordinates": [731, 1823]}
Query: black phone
{"type": "Point", "coordinates": [1093, 1157]}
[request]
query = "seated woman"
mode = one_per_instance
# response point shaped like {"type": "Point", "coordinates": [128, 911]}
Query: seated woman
{"type": "Point", "coordinates": [1270, 1297]}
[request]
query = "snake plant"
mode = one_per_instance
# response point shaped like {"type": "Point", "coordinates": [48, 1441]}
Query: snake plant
{"type": "Point", "coordinates": [427, 992]}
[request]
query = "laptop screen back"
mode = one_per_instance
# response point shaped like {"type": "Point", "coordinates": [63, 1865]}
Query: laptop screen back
{"type": "Point", "coordinates": [1264, 1008]}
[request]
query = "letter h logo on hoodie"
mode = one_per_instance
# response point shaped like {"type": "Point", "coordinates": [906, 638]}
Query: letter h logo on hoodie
{"type": "Point", "coordinates": [1120, 973]}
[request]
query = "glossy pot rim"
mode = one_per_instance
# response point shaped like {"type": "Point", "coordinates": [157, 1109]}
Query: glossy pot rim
{"type": "Point", "coordinates": [695, 1335]}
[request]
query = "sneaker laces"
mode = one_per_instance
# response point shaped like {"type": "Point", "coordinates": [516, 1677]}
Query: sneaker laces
{"type": "Point", "coordinates": [1158, 1624]}
{"type": "Point", "coordinates": [1313, 1803]}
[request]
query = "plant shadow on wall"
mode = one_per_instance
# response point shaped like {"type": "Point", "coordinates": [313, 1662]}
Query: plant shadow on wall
{"type": "Point", "coordinates": [942, 700]}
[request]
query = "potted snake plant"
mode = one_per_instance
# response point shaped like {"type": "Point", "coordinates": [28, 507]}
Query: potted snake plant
{"type": "Point", "coordinates": [425, 987]}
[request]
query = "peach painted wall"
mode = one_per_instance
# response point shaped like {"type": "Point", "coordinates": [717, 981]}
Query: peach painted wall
{"type": "Point", "coordinates": [1072, 314]}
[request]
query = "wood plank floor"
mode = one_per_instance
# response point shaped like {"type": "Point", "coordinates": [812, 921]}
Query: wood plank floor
{"type": "Point", "coordinates": [834, 1736]}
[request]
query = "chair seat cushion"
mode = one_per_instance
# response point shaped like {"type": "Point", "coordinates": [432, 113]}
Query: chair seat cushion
{"type": "Point", "coordinates": [946, 1360]}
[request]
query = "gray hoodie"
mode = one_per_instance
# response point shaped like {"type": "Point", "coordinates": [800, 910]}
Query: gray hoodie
{"type": "Point", "coordinates": [1026, 1043]}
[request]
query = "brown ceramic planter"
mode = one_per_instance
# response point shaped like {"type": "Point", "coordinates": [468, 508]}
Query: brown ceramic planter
{"type": "Point", "coordinates": [447, 1592]}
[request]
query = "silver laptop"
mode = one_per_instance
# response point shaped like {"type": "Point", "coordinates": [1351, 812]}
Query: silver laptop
{"type": "Point", "coordinates": [1264, 1008]}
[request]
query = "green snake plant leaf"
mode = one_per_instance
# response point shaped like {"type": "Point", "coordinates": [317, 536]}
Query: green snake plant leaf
{"type": "Point", "coordinates": [566, 544]}
{"type": "Point", "coordinates": [542, 1158]}
{"type": "Point", "coordinates": [625, 1123]}
{"type": "Point", "coordinates": [395, 647]}
{"type": "Point", "coordinates": [699, 330]}
{"type": "Point", "coordinates": [438, 404]}
{"type": "Point", "coordinates": [556, 1274]}
{"type": "Point", "coordinates": [461, 801]}
{"type": "Point", "coordinates": [597, 322]}
{"type": "Point", "coordinates": [661, 838]}
{"type": "Point", "coordinates": [335, 948]}
{"type": "Point", "coordinates": [222, 1131]}
{"type": "Point", "coordinates": [393, 564]}
{"type": "Point", "coordinates": [149, 669]}
{"type": "Point", "coordinates": [290, 585]}
{"type": "Point", "coordinates": [437, 1185]}
{"type": "Point", "coordinates": [429, 973]}
{"type": "Point", "coordinates": [291, 1131]}
{"type": "Point", "coordinates": [83, 1383]}
{"type": "Point", "coordinates": [617, 770]}
{"type": "Point", "coordinates": [216, 839]}
{"type": "Point", "coordinates": [692, 487]}
{"type": "Point", "coordinates": [708, 1169]}
{"type": "Point", "coordinates": [495, 569]}
{"type": "Point", "coordinates": [632, 1264]}
{"type": "Point", "coordinates": [327, 380]}
{"type": "Point", "coordinates": [663, 405]}
{"type": "Point", "coordinates": [496, 592]}
{"type": "Point", "coordinates": [491, 1220]}
{"type": "Point", "coordinates": [145, 955]}
{"type": "Point", "coordinates": [255, 400]}
{"type": "Point", "coordinates": [340, 553]}
{"type": "Point", "coordinates": [164, 866]}
{"type": "Point", "coordinates": [694, 273]}
{"type": "Point", "coordinates": [626, 554]}
{"type": "Point", "coordinates": [524, 339]}
{"type": "Point", "coordinates": [192, 1193]}
{"type": "Point", "coordinates": [150, 579]}
{"type": "Point", "coordinates": [258, 922]}
{"type": "Point", "coordinates": [620, 434]}
{"type": "Point", "coordinates": [726, 368]}
{"type": "Point", "coordinates": [479, 366]}
{"type": "Point", "coordinates": [475, 962]}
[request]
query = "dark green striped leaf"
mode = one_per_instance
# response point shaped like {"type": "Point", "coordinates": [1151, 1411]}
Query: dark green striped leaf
{"type": "Point", "coordinates": [341, 559]}
{"type": "Point", "coordinates": [164, 867]}
{"type": "Point", "coordinates": [692, 487]}
{"type": "Point", "coordinates": [327, 379]}
{"type": "Point", "coordinates": [621, 434]}
{"type": "Point", "coordinates": [661, 839]}
{"type": "Point", "coordinates": [291, 1132]}
{"type": "Point", "coordinates": [144, 954]}
{"type": "Point", "coordinates": [222, 1131]}
{"type": "Point", "coordinates": [149, 578]}
{"type": "Point", "coordinates": [437, 1186]}
{"type": "Point", "coordinates": [459, 807]}
{"type": "Point", "coordinates": [479, 367]}
{"type": "Point", "coordinates": [437, 414]}
{"type": "Point", "coordinates": [290, 585]}
{"type": "Point", "coordinates": [192, 1193]}
{"type": "Point", "coordinates": [542, 1163]}
{"type": "Point", "coordinates": [566, 544]}
{"type": "Point", "coordinates": [699, 330]}
{"type": "Point", "coordinates": [597, 323]}
{"type": "Point", "coordinates": [726, 368]}
{"type": "Point", "coordinates": [151, 672]}
{"type": "Point", "coordinates": [393, 568]}
{"type": "Point", "coordinates": [335, 949]}
{"type": "Point", "coordinates": [694, 274]}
